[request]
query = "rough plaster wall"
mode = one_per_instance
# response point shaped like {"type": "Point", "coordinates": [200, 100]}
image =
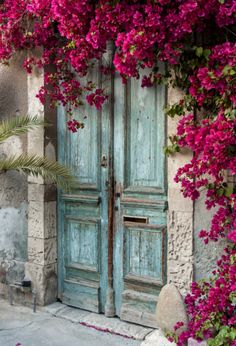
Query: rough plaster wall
{"type": "Point", "coordinates": [13, 187]}
{"type": "Point", "coordinates": [205, 256]}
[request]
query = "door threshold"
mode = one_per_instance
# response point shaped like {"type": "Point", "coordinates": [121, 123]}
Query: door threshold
{"type": "Point", "coordinates": [98, 321]}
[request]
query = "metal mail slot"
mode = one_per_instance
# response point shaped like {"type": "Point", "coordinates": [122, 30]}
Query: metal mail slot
{"type": "Point", "coordinates": [135, 219]}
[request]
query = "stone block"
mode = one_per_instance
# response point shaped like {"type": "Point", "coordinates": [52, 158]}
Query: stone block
{"type": "Point", "coordinates": [36, 219]}
{"type": "Point", "coordinates": [36, 142]}
{"type": "Point", "coordinates": [205, 256]}
{"type": "Point", "coordinates": [72, 314]}
{"type": "Point", "coordinates": [177, 202]}
{"type": "Point", "coordinates": [50, 220]}
{"type": "Point", "coordinates": [13, 146]}
{"type": "Point", "coordinates": [176, 161]}
{"type": "Point", "coordinates": [42, 251]}
{"type": "Point", "coordinates": [36, 250]}
{"type": "Point", "coordinates": [180, 236]}
{"type": "Point", "coordinates": [180, 274]}
{"type": "Point", "coordinates": [44, 280]}
{"type": "Point", "coordinates": [170, 309]}
{"type": "Point", "coordinates": [35, 180]}
{"type": "Point", "coordinates": [36, 192]}
{"type": "Point", "coordinates": [42, 219]}
{"type": "Point", "coordinates": [114, 325]}
{"type": "Point", "coordinates": [50, 251]}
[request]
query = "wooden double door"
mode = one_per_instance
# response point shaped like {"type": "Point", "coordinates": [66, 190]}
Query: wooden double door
{"type": "Point", "coordinates": [112, 225]}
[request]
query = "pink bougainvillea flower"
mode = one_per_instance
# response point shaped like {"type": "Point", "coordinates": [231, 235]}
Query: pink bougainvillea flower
{"type": "Point", "coordinates": [232, 236]}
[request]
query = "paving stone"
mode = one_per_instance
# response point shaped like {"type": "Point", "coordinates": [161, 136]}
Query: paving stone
{"type": "Point", "coordinates": [72, 314]}
{"type": "Point", "coordinates": [54, 308]}
{"type": "Point", "coordinates": [170, 309]}
{"type": "Point", "coordinates": [116, 326]}
{"type": "Point", "coordinates": [18, 324]}
{"type": "Point", "coordinates": [157, 338]}
{"type": "Point", "coordinates": [13, 324]}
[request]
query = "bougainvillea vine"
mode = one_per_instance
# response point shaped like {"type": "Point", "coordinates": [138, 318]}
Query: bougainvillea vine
{"type": "Point", "coordinates": [197, 41]}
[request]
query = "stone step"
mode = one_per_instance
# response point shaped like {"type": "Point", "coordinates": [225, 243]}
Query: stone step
{"type": "Point", "coordinates": [98, 321]}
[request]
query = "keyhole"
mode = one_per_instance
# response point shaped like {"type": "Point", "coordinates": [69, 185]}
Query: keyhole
{"type": "Point", "coordinates": [104, 161]}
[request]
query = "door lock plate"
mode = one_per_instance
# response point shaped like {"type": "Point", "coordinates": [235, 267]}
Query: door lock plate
{"type": "Point", "coordinates": [104, 161]}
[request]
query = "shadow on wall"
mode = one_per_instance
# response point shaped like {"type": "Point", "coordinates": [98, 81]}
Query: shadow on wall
{"type": "Point", "coordinates": [13, 186]}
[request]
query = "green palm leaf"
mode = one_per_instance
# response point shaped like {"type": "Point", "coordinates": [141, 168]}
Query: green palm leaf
{"type": "Point", "coordinates": [39, 166]}
{"type": "Point", "coordinates": [18, 126]}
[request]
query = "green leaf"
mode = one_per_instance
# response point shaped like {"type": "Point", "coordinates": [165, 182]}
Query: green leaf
{"type": "Point", "coordinates": [18, 126]}
{"type": "Point", "coordinates": [171, 149]}
{"type": "Point", "coordinates": [226, 70]}
{"type": "Point", "coordinates": [71, 45]}
{"type": "Point", "coordinates": [206, 53]}
{"type": "Point", "coordinates": [232, 72]}
{"type": "Point", "coordinates": [199, 51]}
{"type": "Point", "coordinates": [229, 190]}
{"type": "Point", "coordinates": [232, 334]}
{"type": "Point", "coordinates": [40, 166]}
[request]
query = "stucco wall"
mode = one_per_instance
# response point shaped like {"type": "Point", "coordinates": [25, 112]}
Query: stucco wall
{"type": "Point", "coordinates": [205, 256]}
{"type": "Point", "coordinates": [13, 186]}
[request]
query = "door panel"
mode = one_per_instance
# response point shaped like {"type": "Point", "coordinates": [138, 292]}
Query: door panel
{"type": "Point", "coordinates": [83, 212]}
{"type": "Point", "coordinates": [143, 137]}
{"type": "Point", "coordinates": [140, 217]}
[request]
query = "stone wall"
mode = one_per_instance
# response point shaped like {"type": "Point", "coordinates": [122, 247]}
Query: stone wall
{"type": "Point", "coordinates": [205, 256]}
{"type": "Point", "coordinates": [180, 217]}
{"type": "Point", "coordinates": [13, 186]}
{"type": "Point", "coordinates": [28, 246]}
{"type": "Point", "coordinates": [188, 257]}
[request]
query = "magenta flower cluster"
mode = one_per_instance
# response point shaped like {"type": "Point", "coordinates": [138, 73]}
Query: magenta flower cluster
{"type": "Point", "coordinates": [196, 38]}
{"type": "Point", "coordinates": [211, 306]}
{"type": "Point", "coordinates": [210, 140]}
{"type": "Point", "coordinates": [75, 34]}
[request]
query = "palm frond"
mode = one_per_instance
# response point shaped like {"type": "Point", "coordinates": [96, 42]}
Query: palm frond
{"type": "Point", "coordinates": [40, 166]}
{"type": "Point", "coordinates": [18, 126]}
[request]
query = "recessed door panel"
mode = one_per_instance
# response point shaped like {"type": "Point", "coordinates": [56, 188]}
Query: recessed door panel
{"type": "Point", "coordinates": [144, 134]}
{"type": "Point", "coordinates": [143, 253]}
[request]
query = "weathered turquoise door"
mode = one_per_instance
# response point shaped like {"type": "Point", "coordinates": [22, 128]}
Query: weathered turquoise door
{"type": "Point", "coordinates": [112, 226]}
